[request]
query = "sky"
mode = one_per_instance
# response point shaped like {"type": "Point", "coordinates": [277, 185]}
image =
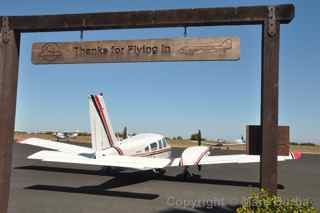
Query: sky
{"type": "Point", "coordinates": [171, 98]}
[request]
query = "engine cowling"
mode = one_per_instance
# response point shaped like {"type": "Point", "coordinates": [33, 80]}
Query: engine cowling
{"type": "Point", "coordinates": [193, 155]}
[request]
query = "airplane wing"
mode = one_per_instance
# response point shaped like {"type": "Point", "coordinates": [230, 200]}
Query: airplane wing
{"type": "Point", "coordinates": [68, 153]}
{"type": "Point", "coordinates": [140, 163]}
{"type": "Point", "coordinates": [145, 163]}
{"type": "Point", "coordinates": [227, 159]}
{"type": "Point", "coordinates": [199, 155]}
{"type": "Point", "coordinates": [192, 156]}
{"type": "Point", "coordinates": [62, 147]}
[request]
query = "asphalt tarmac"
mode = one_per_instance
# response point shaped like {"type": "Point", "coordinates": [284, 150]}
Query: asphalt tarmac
{"type": "Point", "coordinates": [40, 187]}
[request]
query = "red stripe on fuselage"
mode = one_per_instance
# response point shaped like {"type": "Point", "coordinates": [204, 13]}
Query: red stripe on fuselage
{"type": "Point", "coordinates": [118, 150]}
{"type": "Point", "coordinates": [153, 153]}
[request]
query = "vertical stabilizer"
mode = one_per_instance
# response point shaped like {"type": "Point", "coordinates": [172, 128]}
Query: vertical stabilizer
{"type": "Point", "coordinates": [102, 136]}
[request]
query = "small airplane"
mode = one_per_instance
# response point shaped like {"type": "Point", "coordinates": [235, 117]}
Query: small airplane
{"type": "Point", "coordinates": [65, 136]}
{"type": "Point", "coordinates": [236, 141]}
{"type": "Point", "coordinates": [141, 152]}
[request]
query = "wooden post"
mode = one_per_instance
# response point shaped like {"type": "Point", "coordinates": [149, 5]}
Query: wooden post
{"type": "Point", "coordinates": [9, 59]}
{"type": "Point", "coordinates": [269, 102]}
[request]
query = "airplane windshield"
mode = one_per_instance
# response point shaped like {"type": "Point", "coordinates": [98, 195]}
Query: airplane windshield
{"type": "Point", "coordinates": [160, 144]}
{"type": "Point", "coordinates": [164, 142]}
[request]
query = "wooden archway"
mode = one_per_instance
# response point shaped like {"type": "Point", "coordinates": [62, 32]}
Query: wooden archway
{"type": "Point", "coordinates": [269, 17]}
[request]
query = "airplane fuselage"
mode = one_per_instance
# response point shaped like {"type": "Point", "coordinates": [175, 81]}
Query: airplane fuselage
{"type": "Point", "coordinates": [142, 145]}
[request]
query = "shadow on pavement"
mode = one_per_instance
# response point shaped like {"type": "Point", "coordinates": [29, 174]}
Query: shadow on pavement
{"type": "Point", "coordinates": [96, 190]}
{"type": "Point", "coordinates": [121, 178]}
{"type": "Point", "coordinates": [128, 178]}
{"type": "Point", "coordinates": [198, 179]}
{"type": "Point", "coordinates": [67, 170]}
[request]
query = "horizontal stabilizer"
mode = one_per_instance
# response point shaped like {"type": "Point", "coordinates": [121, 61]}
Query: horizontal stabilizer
{"type": "Point", "coordinates": [62, 147]}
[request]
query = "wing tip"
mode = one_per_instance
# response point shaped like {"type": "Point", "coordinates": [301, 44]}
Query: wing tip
{"type": "Point", "coordinates": [25, 141]}
{"type": "Point", "coordinates": [35, 156]}
{"type": "Point", "coordinates": [296, 155]}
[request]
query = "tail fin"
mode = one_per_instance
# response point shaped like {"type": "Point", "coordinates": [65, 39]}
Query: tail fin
{"type": "Point", "coordinates": [102, 136]}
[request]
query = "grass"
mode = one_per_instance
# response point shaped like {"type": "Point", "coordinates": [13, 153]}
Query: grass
{"type": "Point", "coordinates": [306, 149]}
{"type": "Point", "coordinates": [78, 139]}
{"type": "Point", "coordinates": [181, 143]}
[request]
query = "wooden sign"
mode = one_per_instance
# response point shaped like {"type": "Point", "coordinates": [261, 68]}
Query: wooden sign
{"type": "Point", "coordinates": [179, 49]}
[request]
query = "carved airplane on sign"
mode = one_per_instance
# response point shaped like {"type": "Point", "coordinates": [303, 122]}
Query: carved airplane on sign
{"type": "Point", "coordinates": [141, 152]}
{"type": "Point", "coordinates": [219, 49]}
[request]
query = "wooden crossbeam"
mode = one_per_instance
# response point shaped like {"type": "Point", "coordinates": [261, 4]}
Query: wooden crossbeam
{"type": "Point", "coordinates": [154, 18]}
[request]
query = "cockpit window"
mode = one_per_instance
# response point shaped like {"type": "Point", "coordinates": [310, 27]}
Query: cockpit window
{"type": "Point", "coordinates": [154, 146]}
{"type": "Point", "coordinates": [160, 144]}
{"type": "Point", "coordinates": [164, 142]}
{"type": "Point", "coordinates": [146, 149]}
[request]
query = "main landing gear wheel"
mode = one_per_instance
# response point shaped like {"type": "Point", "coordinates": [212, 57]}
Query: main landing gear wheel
{"type": "Point", "coordinates": [106, 169]}
{"type": "Point", "coordinates": [186, 173]}
{"type": "Point", "coordinates": [159, 171]}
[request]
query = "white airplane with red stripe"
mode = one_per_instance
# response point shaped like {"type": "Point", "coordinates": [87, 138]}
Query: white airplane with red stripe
{"type": "Point", "coordinates": [142, 152]}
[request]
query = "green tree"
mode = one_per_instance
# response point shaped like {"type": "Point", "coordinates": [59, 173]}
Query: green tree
{"type": "Point", "coordinates": [194, 137]}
